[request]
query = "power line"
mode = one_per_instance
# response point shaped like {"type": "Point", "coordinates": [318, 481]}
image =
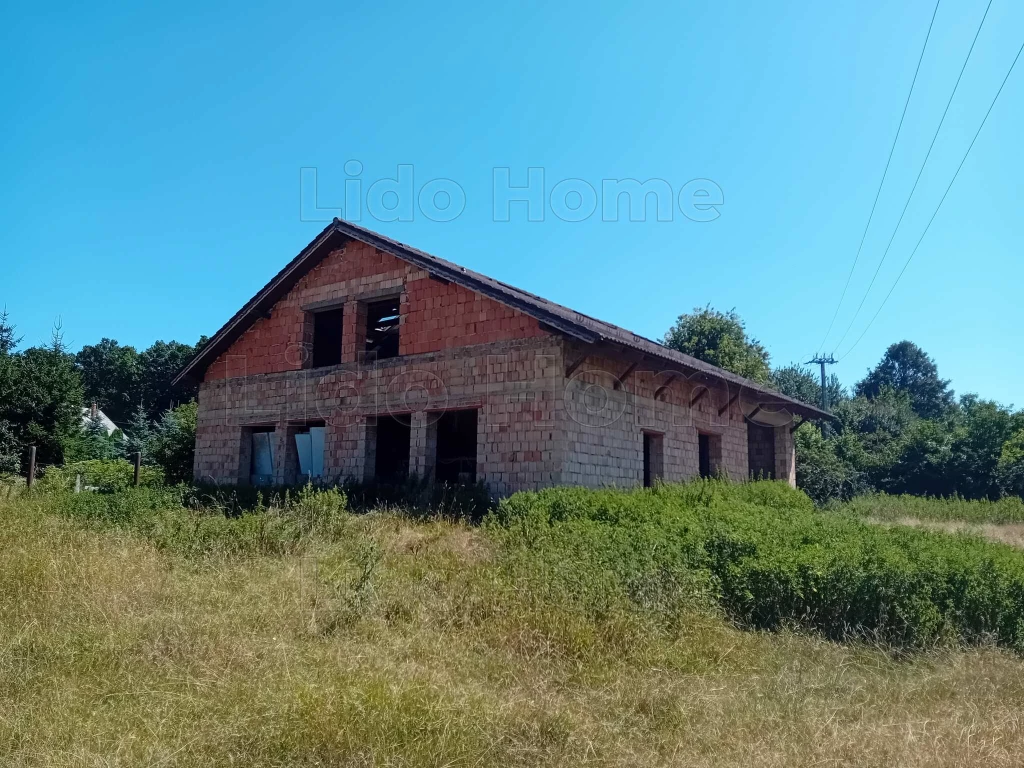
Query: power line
{"type": "Point", "coordinates": [892, 149]}
{"type": "Point", "coordinates": [918, 179]}
{"type": "Point", "coordinates": [935, 213]}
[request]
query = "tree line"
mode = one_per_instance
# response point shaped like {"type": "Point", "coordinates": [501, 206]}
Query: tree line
{"type": "Point", "coordinates": [46, 394]}
{"type": "Point", "coordinates": [900, 429]}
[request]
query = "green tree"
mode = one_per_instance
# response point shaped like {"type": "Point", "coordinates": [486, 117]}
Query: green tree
{"type": "Point", "coordinates": [922, 465]}
{"type": "Point", "coordinates": [800, 383]}
{"type": "Point", "coordinates": [8, 363]}
{"type": "Point", "coordinates": [720, 338]}
{"type": "Point", "coordinates": [111, 377]}
{"type": "Point", "coordinates": [8, 341]}
{"type": "Point", "coordinates": [138, 436]}
{"type": "Point", "coordinates": [905, 367]}
{"type": "Point", "coordinates": [42, 399]}
{"type": "Point", "coordinates": [876, 431]}
{"type": "Point", "coordinates": [93, 442]}
{"type": "Point", "coordinates": [174, 442]}
{"type": "Point", "coordinates": [978, 437]}
{"type": "Point", "coordinates": [10, 451]}
{"type": "Point", "coordinates": [1010, 468]}
{"type": "Point", "coordinates": [159, 365]}
{"type": "Point", "coordinates": [826, 469]}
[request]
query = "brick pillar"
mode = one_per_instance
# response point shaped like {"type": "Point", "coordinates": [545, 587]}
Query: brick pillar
{"type": "Point", "coordinates": [785, 455]}
{"type": "Point", "coordinates": [286, 456]}
{"type": "Point", "coordinates": [423, 444]}
{"type": "Point", "coordinates": [353, 332]}
{"type": "Point", "coordinates": [366, 449]}
{"type": "Point", "coordinates": [283, 458]}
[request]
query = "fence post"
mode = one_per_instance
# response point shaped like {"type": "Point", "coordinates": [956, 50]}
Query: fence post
{"type": "Point", "coordinates": [138, 468]}
{"type": "Point", "coordinates": [31, 467]}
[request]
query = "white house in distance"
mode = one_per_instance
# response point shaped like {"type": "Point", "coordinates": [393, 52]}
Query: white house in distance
{"type": "Point", "coordinates": [93, 412]}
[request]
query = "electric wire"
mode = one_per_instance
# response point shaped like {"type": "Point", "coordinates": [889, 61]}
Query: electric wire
{"type": "Point", "coordinates": [941, 201]}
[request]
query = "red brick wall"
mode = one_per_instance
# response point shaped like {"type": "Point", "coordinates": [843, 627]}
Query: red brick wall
{"type": "Point", "coordinates": [435, 315]}
{"type": "Point", "coordinates": [438, 316]}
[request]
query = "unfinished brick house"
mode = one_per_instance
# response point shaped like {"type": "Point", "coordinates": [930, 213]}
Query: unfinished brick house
{"type": "Point", "coordinates": [365, 358]}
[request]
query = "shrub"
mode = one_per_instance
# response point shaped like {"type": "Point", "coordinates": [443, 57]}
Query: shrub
{"type": "Point", "coordinates": [104, 475]}
{"type": "Point", "coordinates": [415, 497]}
{"type": "Point", "coordinates": [172, 522]}
{"type": "Point", "coordinates": [421, 497]}
{"type": "Point", "coordinates": [772, 560]}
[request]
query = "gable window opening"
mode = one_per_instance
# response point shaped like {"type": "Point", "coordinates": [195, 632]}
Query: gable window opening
{"type": "Point", "coordinates": [382, 323]}
{"type": "Point", "coordinates": [327, 338]}
{"type": "Point", "coordinates": [309, 447]}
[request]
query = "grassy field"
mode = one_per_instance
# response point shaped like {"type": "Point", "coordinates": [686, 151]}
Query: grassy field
{"type": "Point", "coordinates": [1000, 521]}
{"type": "Point", "coordinates": [136, 633]}
{"type": "Point", "coordinates": [881, 506]}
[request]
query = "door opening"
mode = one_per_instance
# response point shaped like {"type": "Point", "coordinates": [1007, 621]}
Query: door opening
{"type": "Point", "coordinates": [709, 454]}
{"type": "Point", "coordinates": [761, 451]}
{"type": "Point", "coordinates": [391, 461]}
{"type": "Point", "coordinates": [653, 458]}
{"type": "Point", "coordinates": [456, 447]}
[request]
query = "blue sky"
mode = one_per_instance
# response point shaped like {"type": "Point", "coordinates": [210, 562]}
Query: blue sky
{"type": "Point", "coordinates": [152, 161]}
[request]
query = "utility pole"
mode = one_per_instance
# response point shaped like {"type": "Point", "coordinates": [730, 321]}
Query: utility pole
{"type": "Point", "coordinates": [823, 361]}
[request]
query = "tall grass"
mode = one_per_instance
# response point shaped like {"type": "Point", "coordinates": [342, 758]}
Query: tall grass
{"type": "Point", "coordinates": [881, 506]}
{"type": "Point", "coordinates": [173, 521]}
{"type": "Point", "coordinates": [397, 642]}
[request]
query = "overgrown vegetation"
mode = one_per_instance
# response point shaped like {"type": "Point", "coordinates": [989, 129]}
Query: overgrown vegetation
{"type": "Point", "coordinates": [106, 476]}
{"type": "Point", "coordinates": [574, 628]}
{"type": "Point", "coordinates": [173, 519]}
{"type": "Point", "coordinates": [881, 506]}
{"type": "Point", "coordinates": [771, 560]}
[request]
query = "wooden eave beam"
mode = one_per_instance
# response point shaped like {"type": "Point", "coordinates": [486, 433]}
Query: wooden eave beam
{"type": "Point", "coordinates": [621, 380]}
{"type": "Point", "coordinates": [571, 368]}
{"type": "Point", "coordinates": [699, 396]}
{"type": "Point", "coordinates": [664, 387]}
{"type": "Point", "coordinates": [728, 405]}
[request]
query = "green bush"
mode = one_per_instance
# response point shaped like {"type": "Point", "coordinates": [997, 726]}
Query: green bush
{"type": "Point", "coordinates": [104, 475]}
{"type": "Point", "coordinates": [414, 497]}
{"type": "Point", "coordinates": [167, 517]}
{"type": "Point", "coordinates": [771, 560]}
{"type": "Point", "coordinates": [421, 497]}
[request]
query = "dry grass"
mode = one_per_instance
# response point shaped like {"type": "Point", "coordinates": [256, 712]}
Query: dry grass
{"type": "Point", "coordinates": [406, 644]}
{"type": "Point", "coordinates": [1008, 533]}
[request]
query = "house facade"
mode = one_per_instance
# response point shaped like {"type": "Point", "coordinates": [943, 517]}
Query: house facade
{"type": "Point", "coordinates": [365, 358]}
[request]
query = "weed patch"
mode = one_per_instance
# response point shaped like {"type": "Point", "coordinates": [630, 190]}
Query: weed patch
{"type": "Point", "coordinates": [770, 560]}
